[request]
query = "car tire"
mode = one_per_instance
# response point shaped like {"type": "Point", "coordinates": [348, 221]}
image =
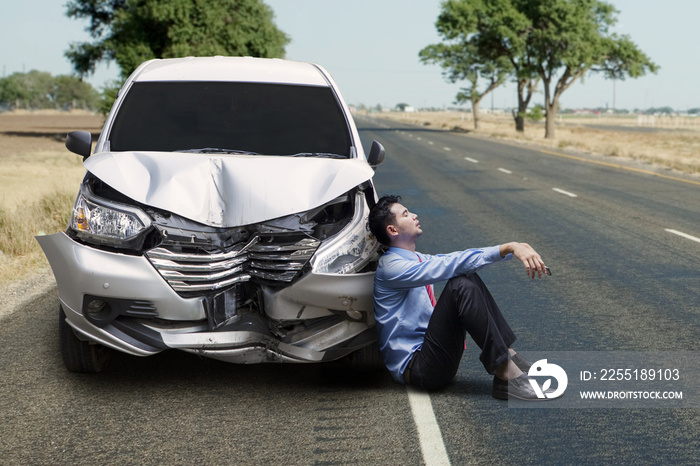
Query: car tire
{"type": "Point", "coordinates": [367, 359]}
{"type": "Point", "coordinates": [80, 356]}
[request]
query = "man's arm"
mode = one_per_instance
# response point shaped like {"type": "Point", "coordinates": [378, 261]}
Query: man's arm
{"type": "Point", "coordinates": [396, 271]}
{"type": "Point", "coordinates": [528, 256]}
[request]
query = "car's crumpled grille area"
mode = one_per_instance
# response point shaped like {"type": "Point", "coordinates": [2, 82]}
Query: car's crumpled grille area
{"type": "Point", "coordinates": [277, 259]}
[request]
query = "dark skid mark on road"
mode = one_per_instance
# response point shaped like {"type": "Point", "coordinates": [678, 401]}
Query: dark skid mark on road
{"type": "Point", "coordinates": [503, 190]}
{"type": "Point", "coordinates": [335, 442]}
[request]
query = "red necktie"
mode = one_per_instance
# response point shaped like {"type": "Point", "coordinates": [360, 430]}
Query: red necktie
{"type": "Point", "coordinates": [431, 295]}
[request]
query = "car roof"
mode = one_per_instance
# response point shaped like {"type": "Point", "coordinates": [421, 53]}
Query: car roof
{"type": "Point", "coordinates": [231, 69]}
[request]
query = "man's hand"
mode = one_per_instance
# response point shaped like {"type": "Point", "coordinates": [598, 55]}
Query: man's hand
{"type": "Point", "coordinates": [528, 256]}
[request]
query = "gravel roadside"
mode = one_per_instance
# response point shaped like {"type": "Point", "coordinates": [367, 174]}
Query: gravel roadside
{"type": "Point", "coordinates": [17, 294]}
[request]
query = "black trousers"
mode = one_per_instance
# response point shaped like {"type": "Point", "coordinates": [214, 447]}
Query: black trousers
{"type": "Point", "coordinates": [465, 306]}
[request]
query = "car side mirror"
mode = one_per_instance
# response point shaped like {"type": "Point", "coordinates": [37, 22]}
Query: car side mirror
{"type": "Point", "coordinates": [79, 142]}
{"type": "Point", "coordinates": [376, 155]}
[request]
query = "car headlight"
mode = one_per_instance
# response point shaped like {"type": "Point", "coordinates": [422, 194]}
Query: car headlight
{"type": "Point", "coordinates": [106, 222]}
{"type": "Point", "coordinates": [351, 249]}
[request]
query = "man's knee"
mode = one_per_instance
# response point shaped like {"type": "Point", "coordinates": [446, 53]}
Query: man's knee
{"type": "Point", "coordinates": [464, 283]}
{"type": "Point", "coordinates": [467, 292]}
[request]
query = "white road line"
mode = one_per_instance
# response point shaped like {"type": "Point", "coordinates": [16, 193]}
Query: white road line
{"type": "Point", "coordinates": [429, 435]}
{"type": "Point", "coordinates": [566, 193]}
{"type": "Point", "coordinates": [684, 235]}
{"type": "Point", "coordinates": [447, 149]}
{"type": "Point", "coordinates": [505, 171]}
{"type": "Point", "coordinates": [419, 138]}
{"type": "Point", "coordinates": [430, 142]}
{"type": "Point", "coordinates": [469, 159]}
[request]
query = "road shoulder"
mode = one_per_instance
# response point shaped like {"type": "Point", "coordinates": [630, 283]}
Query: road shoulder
{"type": "Point", "coordinates": [17, 294]}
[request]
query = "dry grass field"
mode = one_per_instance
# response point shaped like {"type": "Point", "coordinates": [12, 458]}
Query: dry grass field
{"type": "Point", "coordinates": [670, 143]}
{"type": "Point", "coordinates": [39, 180]}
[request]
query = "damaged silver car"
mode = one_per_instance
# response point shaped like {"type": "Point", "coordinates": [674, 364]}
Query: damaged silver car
{"type": "Point", "coordinates": [223, 213]}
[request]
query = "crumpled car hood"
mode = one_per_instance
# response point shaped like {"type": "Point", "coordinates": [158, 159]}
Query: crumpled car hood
{"type": "Point", "coordinates": [231, 190]}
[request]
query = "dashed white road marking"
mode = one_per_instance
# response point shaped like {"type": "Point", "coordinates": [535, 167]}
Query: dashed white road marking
{"type": "Point", "coordinates": [469, 159]}
{"type": "Point", "coordinates": [447, 149]}
{"type": "Point", "coordinates": [430, 142]}
{"type": "Point", "coordinates": [684, 235]}
{"type": "Point", "coordinates": [429, 436]}
{"type": "Point", "coordinates": [566, 193]}
{"type": "Point", "coordinates": [505, 171]}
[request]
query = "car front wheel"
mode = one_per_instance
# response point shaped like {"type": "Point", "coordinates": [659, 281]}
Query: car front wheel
{"type": "Point", "coordinates": [79, 356]}
{"type": "Point", "coordinates": [367, 359]}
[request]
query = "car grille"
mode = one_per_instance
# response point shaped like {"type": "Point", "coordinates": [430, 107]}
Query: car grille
{"type": "Point", "coordinates": [277, 259]}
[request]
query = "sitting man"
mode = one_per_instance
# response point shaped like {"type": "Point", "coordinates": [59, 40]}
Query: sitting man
{"type": "Point", "coordinates": [422, 341]}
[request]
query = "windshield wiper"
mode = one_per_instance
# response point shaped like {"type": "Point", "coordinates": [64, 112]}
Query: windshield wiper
{"type": "Point", "coordinates": [326, 155]}
{"type": "Point", "coordinates": [216, 150]}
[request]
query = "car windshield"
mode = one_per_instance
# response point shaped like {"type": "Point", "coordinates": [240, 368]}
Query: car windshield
{"type": "Point", "coordinates": [231, 118]}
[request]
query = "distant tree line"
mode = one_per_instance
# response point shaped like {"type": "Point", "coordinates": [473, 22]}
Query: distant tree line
{"type": "Point", "coordinates": [638, 111]}
{"type": "Point", "coordinates": [40, 90]}
{"type": "Point", "coordinates": [668, 111]}
{"type": "Point", "coordinates": [536, 113]}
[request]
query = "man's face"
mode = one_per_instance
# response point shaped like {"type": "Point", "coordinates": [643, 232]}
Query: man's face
{"type": "Point", "coordinates": [405, 227]}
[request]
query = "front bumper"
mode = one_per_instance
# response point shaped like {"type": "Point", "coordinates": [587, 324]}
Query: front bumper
{"type": "Point", "coordinates": [338, 307]}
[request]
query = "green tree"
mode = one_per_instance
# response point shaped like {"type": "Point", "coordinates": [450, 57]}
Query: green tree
{"type": "Point", "coordinates": [38, 89]}
{"type": "Point", "coordinates": [571, 38]}
{"type": "Point", "coordinates": [659, 110]}
{"type": "Point", "coordinates": [133, 31]}
{"type": "Point", "coordinates": [109, 95]}
{"type": "Point", "coordinates": [485, 36]}
{"type": "Point", "coordinates": [27, 90]}
{"type": "Point", "coordinates": [536, 114]}
{"type": "Point", "coordinates": [71, 92]}
{"type": "Point", "coordinates": [11, 91]}
{"type": "Point", "coordinates": [461, 61]}
{"type": "Point", "coordinates": [555, 41]}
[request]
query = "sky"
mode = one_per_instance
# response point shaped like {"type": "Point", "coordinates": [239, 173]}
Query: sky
{"type": "Point", "coordinates": [370, 47]}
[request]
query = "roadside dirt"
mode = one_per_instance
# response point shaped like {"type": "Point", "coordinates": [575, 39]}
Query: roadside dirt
{"type": "Point", "coordinates": [45, 131]}
{"type": "Point", "coordinates": [16, 295]}
{"type": "Point", "coordinates": [28, 138]}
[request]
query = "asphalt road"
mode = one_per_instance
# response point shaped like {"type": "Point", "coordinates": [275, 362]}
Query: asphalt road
{"type": "Point", "coordinates": [620, 282]}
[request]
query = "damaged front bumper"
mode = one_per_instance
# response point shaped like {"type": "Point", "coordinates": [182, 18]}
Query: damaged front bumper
{"type": "Point", "coordinates": [122, 301]}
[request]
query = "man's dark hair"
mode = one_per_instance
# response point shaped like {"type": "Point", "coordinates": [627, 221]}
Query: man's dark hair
{"type": "Point", "coordinates": [380, 216]}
